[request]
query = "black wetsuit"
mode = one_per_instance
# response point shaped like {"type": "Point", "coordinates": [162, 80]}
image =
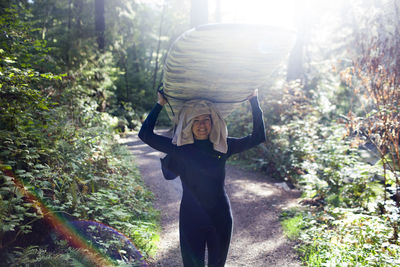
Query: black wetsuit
{"type": "Point", "coordinates": [205, 214]}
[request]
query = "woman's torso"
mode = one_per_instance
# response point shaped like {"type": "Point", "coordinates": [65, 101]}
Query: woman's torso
{"type": "Point", "coordinates": [202, 173]}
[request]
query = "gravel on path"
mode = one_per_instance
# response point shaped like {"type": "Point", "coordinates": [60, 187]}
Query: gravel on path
{"type": "Point", "coordinates": [257, 239]}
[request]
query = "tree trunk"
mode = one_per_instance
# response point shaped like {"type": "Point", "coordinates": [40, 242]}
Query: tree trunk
{"type": "Point", "coordinates": [67, 54]}
{"type": "Point", "coordinates": [135, 61]}
{"type": "Point", "coordinates": [295, 66]}
{"type": "Point", "coordinates": [199, 12]}
{"type": "Point", "coordinates": [158, 47]}
{"type": "Point", "coordinates": [123, 64]}
{"type": "Point", "coordinates": [296, 59]}
{"type": "Point", "coordinates": [78, 9]}
{"type": "Point", "coordinates": [100, 24]}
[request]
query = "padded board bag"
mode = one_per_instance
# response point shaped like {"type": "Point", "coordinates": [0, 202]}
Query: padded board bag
{"type": "Point", "coordinates": [223, 63]}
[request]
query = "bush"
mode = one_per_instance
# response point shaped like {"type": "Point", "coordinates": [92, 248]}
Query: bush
{"type": "Point", "coordinates": [343, 237]}
{"type": "Point", "coordinates": [59, 157]}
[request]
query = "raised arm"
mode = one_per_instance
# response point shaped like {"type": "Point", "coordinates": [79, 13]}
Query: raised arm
{"type": "Point", "coordinates": [147, 135]}
{"type": "Point", "coordinates": [236, 145]}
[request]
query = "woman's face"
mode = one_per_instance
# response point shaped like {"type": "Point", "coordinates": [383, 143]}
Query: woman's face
{"type": "Point", "coordinates": [201, 127]}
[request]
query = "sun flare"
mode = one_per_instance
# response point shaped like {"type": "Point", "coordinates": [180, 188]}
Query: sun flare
{"type": "Point", "coordinates": [277, 13]}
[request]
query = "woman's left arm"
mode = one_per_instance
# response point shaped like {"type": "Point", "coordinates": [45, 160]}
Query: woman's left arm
{"type": "Point", "coordinates": [236, 145]}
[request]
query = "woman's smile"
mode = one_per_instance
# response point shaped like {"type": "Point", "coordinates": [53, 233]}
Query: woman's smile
{"type": "Point", "coordinates": [201, 127]}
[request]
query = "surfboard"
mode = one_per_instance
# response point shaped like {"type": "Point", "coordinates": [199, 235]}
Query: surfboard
{"type": "Point", "coordinates": [223, 63]}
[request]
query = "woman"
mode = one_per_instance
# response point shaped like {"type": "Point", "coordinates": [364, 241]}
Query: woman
{"type": "Point", "coordinates": [197, 153]}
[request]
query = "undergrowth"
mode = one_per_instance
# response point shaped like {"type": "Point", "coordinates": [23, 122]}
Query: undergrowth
{"type": "Point", "coordinates": [342, 237]}
{"type": "Point", "coordinates": [347, 216]}
{"type": "Point", "coordinates": [60, 162]}
{"type": "Point", "coordinates": [344, 218]}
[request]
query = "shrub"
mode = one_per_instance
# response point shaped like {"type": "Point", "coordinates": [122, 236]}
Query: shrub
{"type": "Point", "coordinates": [59, 157]}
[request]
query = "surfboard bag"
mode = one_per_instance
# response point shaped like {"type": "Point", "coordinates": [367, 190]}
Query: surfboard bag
{"type": "Point", "coordinates": [223, 63]}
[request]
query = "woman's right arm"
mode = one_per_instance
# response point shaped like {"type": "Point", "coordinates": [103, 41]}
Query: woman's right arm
{"type": "Point", "coordinates": [147, 135]}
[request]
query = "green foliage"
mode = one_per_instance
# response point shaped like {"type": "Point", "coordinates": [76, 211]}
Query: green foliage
{"type": "Point", "coordinates": [36, 256]}
{"type": "Point", "coordinates": [348, 219]}
{"type": "Point", "coordinates": [344, 227]}
{"type": "Point", "coordinates": [140, 46]}
{"type": "Point", "coordinates": [341, 237]}
{"type": "Point", "coordinates": [292, 223]}
{"type": "Point", "coordinates": [343, 224]}
{"type": "Point", "coordinates": [25, 118]}
{"type": "Point", "coordinates": [320, 158]}
{"type": "Point", "coordinates": [239, 124]}
{"type": "Point", "coordinates": [374, 77]}
{"type": "Point", "coordinates": [56, 145]}
{"type": "Point", "coordinates": [58, 142]}
{"type": "Point", "coordinates": [124, 78]}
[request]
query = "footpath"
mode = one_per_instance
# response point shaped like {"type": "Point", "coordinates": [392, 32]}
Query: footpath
{"type": "Point", "coordinates": [257, 239]}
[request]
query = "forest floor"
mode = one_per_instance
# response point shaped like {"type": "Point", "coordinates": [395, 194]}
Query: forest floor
{"type": "Point", "coordinates": [257, 201]}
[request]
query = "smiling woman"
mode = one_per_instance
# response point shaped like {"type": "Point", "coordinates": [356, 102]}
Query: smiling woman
{"type": "Point", "coordinates": [201, 127]}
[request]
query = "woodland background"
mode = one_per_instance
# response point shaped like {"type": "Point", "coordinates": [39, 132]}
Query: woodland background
{"type": "Point", "coordinates": [74, 73]}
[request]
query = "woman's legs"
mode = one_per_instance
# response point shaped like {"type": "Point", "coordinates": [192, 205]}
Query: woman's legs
{"type": "Point", "coordinates": [193, 243]}
{"type": "Point", "coordinates": [192, 233]}
{"type": "Point", "coordinates": [218, 240]}
{"type": "Point", "coordinates": [193, 246]}
{"type": "Point", "coordinates": [198, 228]}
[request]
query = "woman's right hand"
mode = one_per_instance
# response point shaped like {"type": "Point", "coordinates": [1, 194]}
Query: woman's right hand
{"type": "Point", "coordinates": [161, 99]}
{"type": "Point", "coordinates": [254, 94]}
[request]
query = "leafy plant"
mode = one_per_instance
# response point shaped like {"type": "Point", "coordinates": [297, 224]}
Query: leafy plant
{"type": "Point", "coordinates": [292, 223]}
{"type": "Point", "coordinates": [58, 153]}
{"type": "Point", "coordinates": [345, 236]}
{"type": "Point", "coordinates": [375, 78]}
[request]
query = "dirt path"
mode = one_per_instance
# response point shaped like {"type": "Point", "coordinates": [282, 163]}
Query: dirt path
{"type": "Point", "coordinates": [257, 240]}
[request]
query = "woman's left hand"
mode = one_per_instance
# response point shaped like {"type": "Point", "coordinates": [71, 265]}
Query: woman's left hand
{"type": "Point", "coordinates": [254, 94]}
{"type": "Point", "coordinates": [161, 99]}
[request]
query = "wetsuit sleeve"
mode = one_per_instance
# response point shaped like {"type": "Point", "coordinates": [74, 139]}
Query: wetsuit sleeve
{"type": "Point", "coordinates": [147, 135]}
{"type": "Point", "coordinates": [236, 145]}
